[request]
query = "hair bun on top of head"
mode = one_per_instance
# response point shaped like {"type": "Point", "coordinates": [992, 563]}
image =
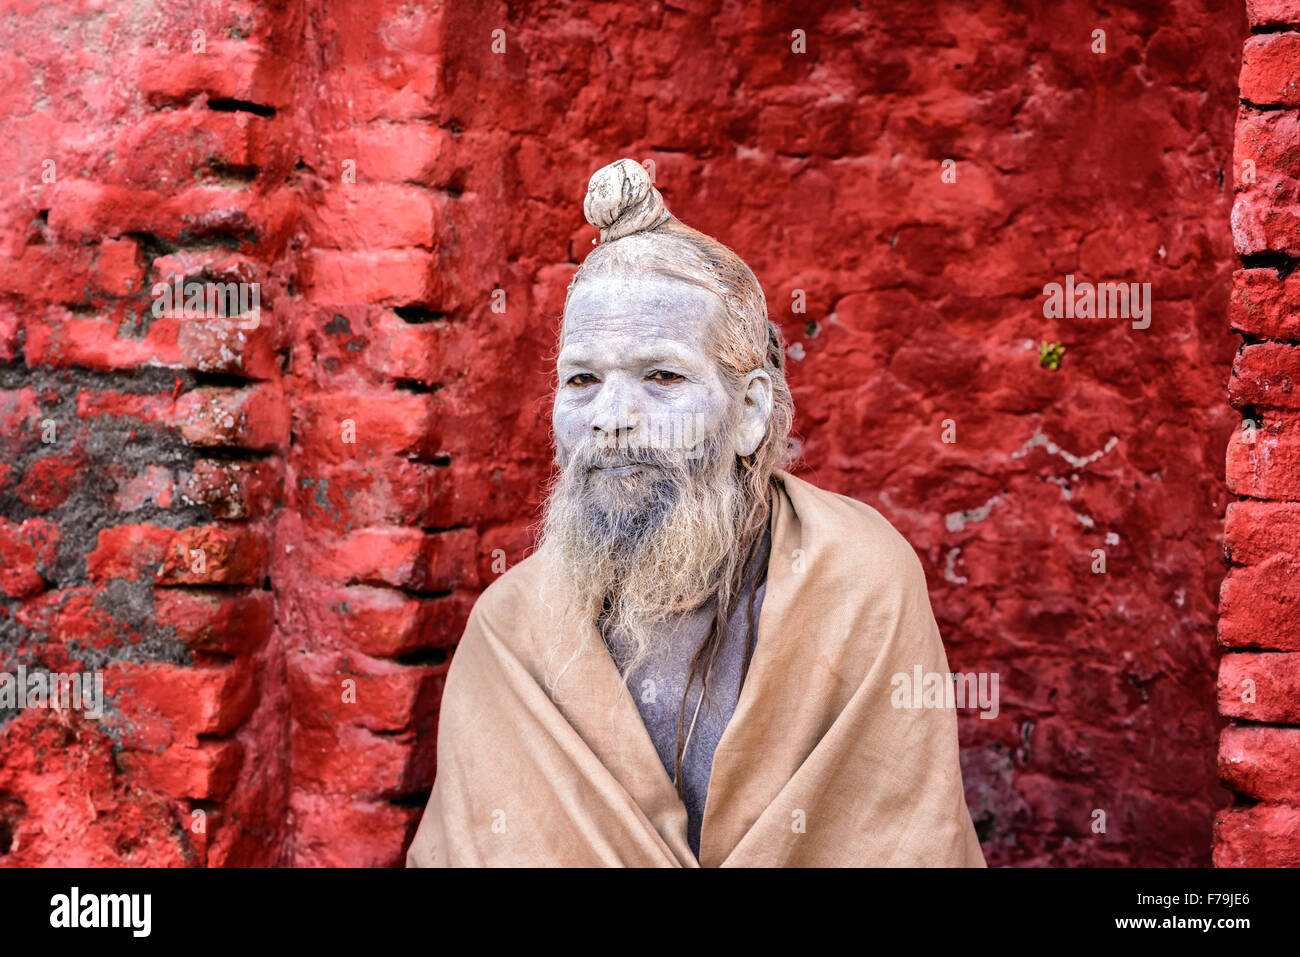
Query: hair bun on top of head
{"type": "Point", "coordinates": [621, 200]}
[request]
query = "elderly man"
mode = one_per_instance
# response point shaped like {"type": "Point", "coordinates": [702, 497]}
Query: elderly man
{"type": "Point", "coordinates": [697, 665]}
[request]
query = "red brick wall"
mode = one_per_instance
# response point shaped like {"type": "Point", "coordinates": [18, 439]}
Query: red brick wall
{"type": "Point", "coordinates": [1259, 624]}
{"type": "Point", "coordinates": [409, 200]}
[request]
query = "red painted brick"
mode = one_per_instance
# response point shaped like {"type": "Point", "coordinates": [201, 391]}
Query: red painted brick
{"type": "Point", "coordinates": [155, 485]}
{"type": "Point", "coordinates": [401, 558]}
{"type": "Point", "coordinates": [392, 152]}
{"type": "Point", "coordinates": [128, 551]}
{"type": "Point", "coordinates": [82, 614]}
{"type": "Point", "coordinates": [1265, 306]}
{"type": "Point", "coordinates": [27, 554]}
{"type": "Point", "coordinates": [376, 216]}
{"type": "Point", "coordinates": [252, 418]}
{"type": "Point", "coordinates": [1270, 70]}
{"type": "Point", "coordinates": [206, 772]}
{"type": "Point", "coordinates": [349, 760]}
{"type": "Point", "coordinates": [1272, 678]}
{"type": "Point", "coordinates": [232, 490]}
{"type": "Point", "coordinates": [1256, 532]}
{"type": "Point", "coordinates": [1266, 376]}
{"type": "Point", "coordinates": [339, 428]}
{"type": "Point", "coordinates": [47, 482]}
{"type": "Point", "coordinates": [1273, 13]}
{"type": "Point", "coordinates": [1259, 605]}
{"type": "Point", "coordinates": [1269, 466]}
{"type": "Point", "coordinates": [368, 692]}
{"type": "Point", "coordinates": [188, 701]}
{"type": "Point", "coordinates": [1261, 762]}
{"type": "Point", "coordinates": [226, 69]}
{"type": "Point", "coordinates": [1266, 835]}
{"type": "Point", "coordinates": [384, 623]}
{"type": "Point", "coordinates": [216, 622]}
{"type": "Point", "coordinates": [397, 277]}
{"type": "Point", "coordinates": [355, 833]}
{"type": "Point", "coordinates": [215, 555]}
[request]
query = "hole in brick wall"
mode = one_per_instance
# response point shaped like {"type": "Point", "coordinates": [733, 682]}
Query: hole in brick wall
{"type": "Point", "coordinates": [12, 812]}
{"type": "Point", "coordinates": [241, 106]}
{"type": "Point", "coordinates": [424, 657]}
{"type": "Point", "coordinates": [418, 315]}
{"type": "Point", "coordinates": [416, 799]}
{"type": "Point", "coordinates": [43, 215]}
{"type": "Point", "coordinates": [415, 385]}
{"type": "Point", "coordinates": [231, 175]}
{"type": "Point", "coordinates": [1273, 28]}
{"type": "Point", "coordinates": [1280, 261]}
{"type": "Point", "coordinates": [219, 380]}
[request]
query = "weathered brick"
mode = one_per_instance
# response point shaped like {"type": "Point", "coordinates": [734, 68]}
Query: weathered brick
{"type": "Point", "coordinates": [1266, 835]}
{"type": "Point", "coordinates": [215, 555]}
{"type": "Point", "coordinates": [1261, 762]}
{"type": "Point", "coordinates": [1269, 466]}
{"type": "Point", "coordinates": [392, 152]}
{"type": "Point", "coordinates": [216, 622]}
{"type": "Point", "coordinates": [205, 772]}
{"type": "Point", "coordinates": [232, 490]}
{"type": "Point", "coordinates": [385, 623]}
{"type": "Point", "coordinates": [1270, 70]}
{"type": "Point", "coordinates": [27, 552]}
{"type": "Point", "coordinates": [1260, 686]}
{"type": "Point", "coordinates": [1266, 376]}
{"type": "Point", "coordinates": [340, 428]}
{"type": "Point", "coordinates": [397, 277]}
{"type": "Point", "coordinates": [253, 418]}
{"type": "Point", "coordinates": [1259, 606]}
{"type": "Point", "coordinates": [376, 216]}
{"type": "Point", "coordinates": [1273, 13]}
{"type": "Point", "coordinates": [128, 551]}
{"type": "Point", "coordinates": [1263, 305]}
{"type": "Point", "coordinates": [1256, 532]}
{"type": "Point", "coordinates": [167, 704]}
{"type": "Point", "coordinates": [368, 692]}
{"type": "Point", "coordinates": [401, 558]}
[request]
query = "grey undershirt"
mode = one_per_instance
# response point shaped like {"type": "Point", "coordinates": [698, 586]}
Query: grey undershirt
{"type": "Point", "coordinates": [657, 686]}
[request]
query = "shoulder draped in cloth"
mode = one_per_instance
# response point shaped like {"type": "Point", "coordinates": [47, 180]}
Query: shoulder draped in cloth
{"type": "Point", "coordinates": [815, 768]}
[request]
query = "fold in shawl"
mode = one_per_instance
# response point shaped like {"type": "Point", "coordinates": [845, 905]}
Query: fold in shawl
{"type": "Point", "coordinates": [816, 767]}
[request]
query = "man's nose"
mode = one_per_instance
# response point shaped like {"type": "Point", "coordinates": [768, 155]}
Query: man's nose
{"type": "Point", "coordinates": [615, 417]}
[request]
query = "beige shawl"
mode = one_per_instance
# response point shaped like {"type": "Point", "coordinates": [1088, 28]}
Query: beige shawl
{"type": "Point", "coordinates": [816, 768]}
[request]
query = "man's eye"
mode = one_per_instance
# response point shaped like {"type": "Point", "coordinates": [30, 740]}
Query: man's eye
{"type": "Point", "coordinates": [581, 379]}
{"type": "Point", "coordinates": [663, 375]}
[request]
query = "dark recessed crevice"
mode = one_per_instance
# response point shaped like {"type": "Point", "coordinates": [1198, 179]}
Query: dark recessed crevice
{"type": "Point", "coordinates": [419, 315]}
{"type": "Point", "coordinates": [225, 105]}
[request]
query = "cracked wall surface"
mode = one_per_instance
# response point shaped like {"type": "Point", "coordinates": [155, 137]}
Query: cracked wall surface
{"type": "Point", "coordinates": [358, 465]}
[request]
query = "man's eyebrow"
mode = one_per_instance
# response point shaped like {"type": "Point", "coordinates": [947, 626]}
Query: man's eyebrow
{"type": "Point", "coordinates": [648, 354]}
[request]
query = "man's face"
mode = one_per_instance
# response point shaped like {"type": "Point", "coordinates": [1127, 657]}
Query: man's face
{"type": "Point", "coordinates": [635, 373]}
{"type": "Point", "coordinates": [645, 517]}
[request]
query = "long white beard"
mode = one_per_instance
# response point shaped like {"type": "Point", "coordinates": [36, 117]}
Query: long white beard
{"type": "Point", "coordinates": [636, 550]}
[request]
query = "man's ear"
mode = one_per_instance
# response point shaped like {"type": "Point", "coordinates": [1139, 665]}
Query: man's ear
{"type": "Point", "coordinates": [756, 410]}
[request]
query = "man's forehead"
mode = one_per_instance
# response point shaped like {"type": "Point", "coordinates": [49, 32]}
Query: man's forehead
{"type": "Point", "coordinates": [647, 297]}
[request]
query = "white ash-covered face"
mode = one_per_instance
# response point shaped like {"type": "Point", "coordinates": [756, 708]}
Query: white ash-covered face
{"type": "Point", "coordinates": [636, 372]}
{"type": "Point", "coordinates": [645, 517]}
